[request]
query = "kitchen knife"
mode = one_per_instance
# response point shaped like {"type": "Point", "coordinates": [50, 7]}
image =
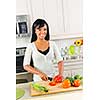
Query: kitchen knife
{"type": "Point", "coordinates": [50, 78]}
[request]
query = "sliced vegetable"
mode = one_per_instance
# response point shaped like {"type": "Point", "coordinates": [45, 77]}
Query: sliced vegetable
{"type": "Point", "coordinates": [38, 87]}
{"type": "Point", "coordinates": [52, 83]}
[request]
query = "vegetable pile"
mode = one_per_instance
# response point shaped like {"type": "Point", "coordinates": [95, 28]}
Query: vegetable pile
{"type": "Point", "coordinates": [67, 82]}
{"type": "Point", "coordinates": [73, 81]}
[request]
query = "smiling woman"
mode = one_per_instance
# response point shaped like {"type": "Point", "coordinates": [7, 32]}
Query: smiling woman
{"type": "Point", "coordinates": [41, 32]}
{"type": "Point", "coordinates": [42, 52]}
{"type": "Point", "coordinates": [40, 26]}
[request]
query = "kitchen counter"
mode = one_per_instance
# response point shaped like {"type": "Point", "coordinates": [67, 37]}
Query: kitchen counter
{"type": "Point", "coordinates": [73, 95]}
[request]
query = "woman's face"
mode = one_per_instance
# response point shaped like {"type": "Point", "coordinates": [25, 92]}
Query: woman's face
{"type": "Point", "coordinates": [41, 32]}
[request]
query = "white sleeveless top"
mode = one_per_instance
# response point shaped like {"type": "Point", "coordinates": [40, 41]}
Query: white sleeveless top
{"type": "Point", "coordinates": [41, 61]}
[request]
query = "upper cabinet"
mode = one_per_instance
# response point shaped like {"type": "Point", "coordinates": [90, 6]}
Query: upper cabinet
{"type": "Point", "coordinates": [21, 7]}
{"type": "Point", "coordinates": [51, 11]}
{"type": "Point", "coordinates": [54, 15]}
{"type": "Point", "coordinates": [63, 16]}
{"type": "Point", "coordinates": [73, 16]}
{"type": "Point", "coordinates": [37, 9]}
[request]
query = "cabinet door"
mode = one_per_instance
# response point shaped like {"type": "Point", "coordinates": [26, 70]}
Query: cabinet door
{"type": "Point", "coordinates": [73, 16]}
{"type": "Point", "coordinates": [37, 9]}
{"type": "Point", "coordinates": [21, 7]}
{"type": "Point", "coordinates": [77, 71]}
{"type": "Point", "coordinates": [53, 15]}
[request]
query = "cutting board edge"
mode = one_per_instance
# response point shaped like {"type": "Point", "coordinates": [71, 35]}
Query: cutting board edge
{"type": "Point", "coordinates": [54, 92]}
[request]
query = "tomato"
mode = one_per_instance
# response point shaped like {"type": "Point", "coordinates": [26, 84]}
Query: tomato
{"type": "Point", "coordinates": [53, 83]}
{"type": "Point", "coordinates": [58, 79]}
{"type": "Point", "coordinates": [66, 83]}
{"type": "Point", "coordinates": [77, 83]}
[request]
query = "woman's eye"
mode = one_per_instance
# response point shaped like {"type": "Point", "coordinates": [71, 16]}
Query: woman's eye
{"type": "Point", "coordinates": [39, 29]}
{"type": "Point", "coordinates": [45, 29]}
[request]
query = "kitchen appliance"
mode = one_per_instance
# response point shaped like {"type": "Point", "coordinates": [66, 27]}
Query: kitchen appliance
{"type": "Point", "coordinates": [22, 26]}
{"type": "Point", "coordinates": [20, 52]}
{"type": "Point", "coordinates": [19, 59]}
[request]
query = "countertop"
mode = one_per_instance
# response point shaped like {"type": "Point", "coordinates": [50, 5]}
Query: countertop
{"type": "Point", "coordinates": [73, 95]}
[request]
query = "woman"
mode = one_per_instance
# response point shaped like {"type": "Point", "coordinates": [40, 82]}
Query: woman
{"type": "Point", "coordinates": [42, 52]}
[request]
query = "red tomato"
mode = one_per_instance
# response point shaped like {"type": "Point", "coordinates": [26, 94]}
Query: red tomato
{"type": "Point", "coordinates": [53, 83]}
{"type": "Point", "coordinates": [58, 79]}
{"type": "Point", "coordinates": [77, 83]}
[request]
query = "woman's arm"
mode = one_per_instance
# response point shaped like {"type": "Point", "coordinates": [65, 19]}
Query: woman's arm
{"type": "Point", "coordinates": [61, 67]}
{"type": "Point", "coordinates": [31, 69]}
{"type": "Point", "coordinates": [34, 70]}
{"type": "Point", "coordinates": [59, 59]}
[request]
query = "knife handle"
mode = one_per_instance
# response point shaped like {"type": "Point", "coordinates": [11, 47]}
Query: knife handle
{"type": "Point", "coordinates": [50, 78]}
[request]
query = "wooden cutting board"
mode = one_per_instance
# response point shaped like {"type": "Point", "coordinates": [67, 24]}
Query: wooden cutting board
{"type": "Point", "coordinates": [52, 89]}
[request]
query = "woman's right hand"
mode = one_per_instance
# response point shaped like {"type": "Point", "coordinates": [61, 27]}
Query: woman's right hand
{"type": "Point", "coordinates": [43, 76]}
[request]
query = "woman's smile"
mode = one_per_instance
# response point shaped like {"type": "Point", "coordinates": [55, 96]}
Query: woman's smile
{"type": "Point", "coordinates": [42, 35]}
{"type": "Point", "coordinates": [41, 32]}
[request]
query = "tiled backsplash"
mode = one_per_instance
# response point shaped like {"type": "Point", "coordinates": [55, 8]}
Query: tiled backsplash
{"type": "Point", "coordinates": [64, 47]}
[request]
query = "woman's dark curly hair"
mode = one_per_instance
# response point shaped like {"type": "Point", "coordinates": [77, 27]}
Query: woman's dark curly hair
{"type": "Point", "coordinates": [40, 23]}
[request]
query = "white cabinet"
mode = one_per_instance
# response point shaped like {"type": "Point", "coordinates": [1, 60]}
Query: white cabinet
{"type": "Point", "coordinates": [73, 16]}
{"type": "Point", "coordinates": [21, 7]}
{"type": "Point", "coordinates": [51, 11]}
{"type": "Point", "coordinates": [63, 16]}
{"type": "Point", "coordinates": [37, 9]}
{"type": "Point", "coordinates": [54, 16]}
